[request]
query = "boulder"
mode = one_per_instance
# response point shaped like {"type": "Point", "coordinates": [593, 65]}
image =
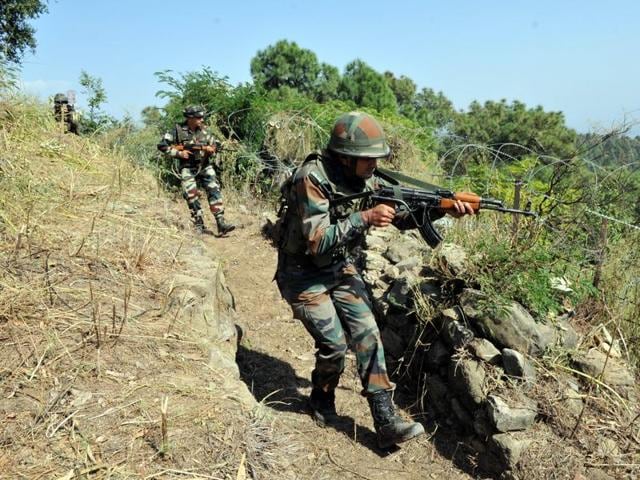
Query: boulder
{"type": "Point", "coordinates": [438, 395]}
{"type": "Point", "coordinates": [400, 296]}
{"type": "Point", "coordinates": [374, 261]}
{"type": "Point", "coordinates": [508, 449]}
{"type": "Point", "coordinates": [481, 423]}
{"type": "Point", "coordinates": [516, 365]}
{"type": "Point", "coordinates": [455, 333]}
{"type": "Point", "coordinates": [410, 264]}
{"type": "Point", "coordinates": [484, 350]}
{"type": "Point", "coordinates": [567, 335]}
{"type": "Point", "coordinates": [506, 419]}
{"type": "Point", "coordinates": [451, 258]}
{"type": "Point", "coordinates": [437, 355]}
{"type": "Point", "coordinates": [375, 243]}
{"type": "Point", "coordinates": [510, 326]}
{"type": "Point", "coordinates": [613, 372]}
{"type": "Point", "coordinates": [469, 380]}
{"type": "Point", "coordinates": [400, 251]}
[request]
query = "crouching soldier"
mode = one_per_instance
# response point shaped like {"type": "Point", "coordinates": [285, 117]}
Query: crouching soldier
{"type": "Point", "coordinates": [317, 274]}
{"type": "Point", "coordinates": [193, 146]}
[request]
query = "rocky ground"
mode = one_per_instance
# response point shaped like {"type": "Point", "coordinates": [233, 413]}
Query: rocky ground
{"type": "Point", "coordinates": [275, 358]}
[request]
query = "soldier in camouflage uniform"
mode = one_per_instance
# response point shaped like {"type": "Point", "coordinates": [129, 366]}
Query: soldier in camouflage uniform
{"type": "Point", "coordinates": [193, 147]}
{"type": "Point", "coordinates": [63, 111]}
{"type": "Point", "coordinates": [318, 277]}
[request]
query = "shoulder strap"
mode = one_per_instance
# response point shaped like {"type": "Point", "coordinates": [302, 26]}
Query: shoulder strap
{"type": "Point", "coordinates": [320, 178]}
{"type": "Point", "coordinates": [180, 138]}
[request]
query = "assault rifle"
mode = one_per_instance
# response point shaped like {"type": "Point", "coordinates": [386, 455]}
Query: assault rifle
{"type": "Point", "coordinates": [193, 147]}
{"type": "Point", "coordinates": [418, 202]}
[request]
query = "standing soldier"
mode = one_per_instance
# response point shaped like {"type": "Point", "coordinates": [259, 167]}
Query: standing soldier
{"type": "Point", "coordinates": [317, 274]}
{"type": "Point", "coordinates": [64, 112]}
{"type": "Point", "coordinates": [193, 146]}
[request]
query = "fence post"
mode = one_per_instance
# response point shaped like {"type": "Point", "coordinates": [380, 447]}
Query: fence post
{"type": "Point", "coordinates": [601, 254]}
{"type": "Point", "coordinates": [517, 185]}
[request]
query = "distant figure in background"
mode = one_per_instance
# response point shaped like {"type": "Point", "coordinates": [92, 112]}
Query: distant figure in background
{"type": "Point", "coordinates": [64, 112]}
{"type": "Point", "coordinates": [193, 146]}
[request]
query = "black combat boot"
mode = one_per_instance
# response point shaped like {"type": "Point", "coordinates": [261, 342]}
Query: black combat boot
{"type": "Point", "coordinates": [323, 406]}
{"type": "Point", "coordinates": [199, 226]}
{"type": "Point", "coordinates": [390, 427]}
{"type": "Point", "coordinates": [224, 227]}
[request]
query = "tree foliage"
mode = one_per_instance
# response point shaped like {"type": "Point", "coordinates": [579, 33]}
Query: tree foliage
{"type": "Point", "coordinates": [404, 90]}
{"type": "Point", "coordinates": [367, 88]}
{"type": "Point", "coordinates": [16, 35]}
{"type": "Point", "coordinates": [619, 150]}
{"type": "Point", "coordinates": [433, 109]}
{"type": "Point", "coordinates": [97, 95]}
{"type": "Point", "coordinates": [512, 131]}
{"type": "Point", "coordinates": [285, 64]}
{"type": "Point", "coordinates": [327, 83]}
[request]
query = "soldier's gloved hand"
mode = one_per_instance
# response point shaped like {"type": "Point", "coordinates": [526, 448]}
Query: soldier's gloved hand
{"type": "Point", "coordinates": [184, 154]}
{"type": "Point", "coordinates": [379, 216]}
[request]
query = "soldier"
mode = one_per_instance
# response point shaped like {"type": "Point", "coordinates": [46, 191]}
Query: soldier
{"type": "Point", "coordinates": [194, 147]}
{"type": "Point", "coordinates": [317, 274]}
{"type": "Point", "coordinates": [63, 111]}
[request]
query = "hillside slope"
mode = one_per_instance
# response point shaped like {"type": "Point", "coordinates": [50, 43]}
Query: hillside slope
{"type": "Point", "coordinates": [117, 338]}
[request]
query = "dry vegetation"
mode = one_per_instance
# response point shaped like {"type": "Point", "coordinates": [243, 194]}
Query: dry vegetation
{"type": "Point", "coordinates": [97, 378]}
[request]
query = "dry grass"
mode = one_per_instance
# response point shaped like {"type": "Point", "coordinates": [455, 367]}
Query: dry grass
{"type": "Point", "coordinates": [95, 382]}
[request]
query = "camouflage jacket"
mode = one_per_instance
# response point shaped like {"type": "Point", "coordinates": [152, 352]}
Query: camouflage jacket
{"type": "Point", "coordinates": [182, 135]}
{"type": "Point", "coordinates": [64, 112]}
{"type": "Point", "coordinates": [318, 234]}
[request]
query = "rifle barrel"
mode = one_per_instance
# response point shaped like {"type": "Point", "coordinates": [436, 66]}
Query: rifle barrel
{"type": "Point", "coordinates": [527, 213]}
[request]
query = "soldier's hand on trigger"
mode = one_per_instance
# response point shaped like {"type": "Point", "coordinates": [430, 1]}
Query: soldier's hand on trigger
{"type": "Point", "coordinates": [379, 216]}
{"type": "Point", "coordinates": [184, 154]}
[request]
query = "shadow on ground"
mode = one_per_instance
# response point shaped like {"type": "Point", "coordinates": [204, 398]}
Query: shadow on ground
{"type": "Point", "coordinates": [452, 442]}
{"type": "Point", "coordinates": [276, 384]}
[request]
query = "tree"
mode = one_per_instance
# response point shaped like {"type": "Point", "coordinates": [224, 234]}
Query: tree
{"type": "Point", "coordinates": [286, 64]}
{"type": "Point", "coordinates": [515, 131]}
{"type": "Point", "coordinates": [97, 96]}
{"type": "Point", "coordinates": [16, 35]}
{"type": "Point", "coordinates": [366, 88]}
{"type": "Point", "coordinates": [151, 116]}
{"type": "Point", "coordinates": [433, 109]}
{"type": "Point", "coordinates": [404, 90]}
{"type": "Point", "coordinates": [327, 83]}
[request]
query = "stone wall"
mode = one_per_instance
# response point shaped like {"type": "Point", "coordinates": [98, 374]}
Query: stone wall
{"type": "Point", "coordinates": [476, 363]}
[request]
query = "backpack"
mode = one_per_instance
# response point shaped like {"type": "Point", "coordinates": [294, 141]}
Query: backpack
{"type": "Point", "coordinates": [280, 227]}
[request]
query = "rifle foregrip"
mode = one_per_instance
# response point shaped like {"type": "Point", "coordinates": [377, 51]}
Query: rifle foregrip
{"type": "Point", "coordinates": [471, 199]}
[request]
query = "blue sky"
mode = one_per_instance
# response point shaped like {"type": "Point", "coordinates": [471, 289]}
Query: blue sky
{"type": "Point", "coordinates": [578, 57]}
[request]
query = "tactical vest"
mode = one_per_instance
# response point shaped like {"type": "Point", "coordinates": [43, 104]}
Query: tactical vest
{"type": "Point", "coordinates": [288, 229]}
{"type": "Point", "coordinates": [184, 136]}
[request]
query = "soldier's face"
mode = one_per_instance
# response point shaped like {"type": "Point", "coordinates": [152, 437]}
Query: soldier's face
{"type": "Point", "coordinates": [365, 167]}
{"type": "Point", "coordinates": [194, 122]}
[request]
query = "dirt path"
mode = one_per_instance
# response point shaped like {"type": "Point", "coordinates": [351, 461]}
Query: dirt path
{"type": "Point", "coordinates": [276, 359]}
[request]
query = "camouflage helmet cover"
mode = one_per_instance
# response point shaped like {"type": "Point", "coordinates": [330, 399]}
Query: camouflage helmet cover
{"type": "Point", "coordinates": [60, 98]}
{"type": "Point", "coordinates": [358, 134]}
{"type": "Point", "coordinates": [193, 111]}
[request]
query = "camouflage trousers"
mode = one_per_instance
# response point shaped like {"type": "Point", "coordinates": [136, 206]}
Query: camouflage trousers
{"type": "Point", "coordinates": [191, 177]}
{"type": "Point", "coordinates": [335, 309]}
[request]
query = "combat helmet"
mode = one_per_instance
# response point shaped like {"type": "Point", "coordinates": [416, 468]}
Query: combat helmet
{"type": "Point", "coordinates": [358, 134]}
{"type": "Point", "coordinates": [60, 98]}
{"type": "Point", "coordinates": [193, 111]}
